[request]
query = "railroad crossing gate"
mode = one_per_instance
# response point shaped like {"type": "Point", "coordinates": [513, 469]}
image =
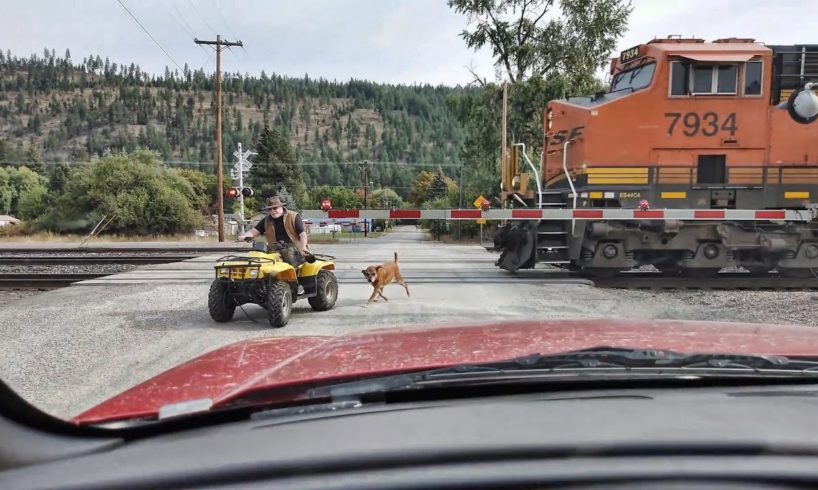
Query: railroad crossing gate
{"type": "Point", "coordinates": [613, 214]}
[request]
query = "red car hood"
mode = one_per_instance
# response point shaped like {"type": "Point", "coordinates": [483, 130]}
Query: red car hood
{"type": "Point", "coordinates": [237, 369]}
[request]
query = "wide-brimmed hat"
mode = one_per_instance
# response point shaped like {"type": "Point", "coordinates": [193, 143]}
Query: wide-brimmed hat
{"type": "Point", "coordinates": [273, 202]}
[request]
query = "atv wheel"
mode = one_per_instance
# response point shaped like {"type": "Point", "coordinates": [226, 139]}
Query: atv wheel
{"type": "Point", "coordinates": [279, 304]}
{"type": "Point", "coordinates": [219, 303]}
{"type": "Point", "coordinates": [327, 291]}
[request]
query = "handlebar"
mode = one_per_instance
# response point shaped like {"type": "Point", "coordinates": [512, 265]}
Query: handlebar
{"type": "Point", "coordinates": [309, 257]}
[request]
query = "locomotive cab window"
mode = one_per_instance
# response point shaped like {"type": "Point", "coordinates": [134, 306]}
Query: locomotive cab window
{"type": "Point", "coordinates": [753, 71]}
{"type": "Point", "coordinates": [679, 77]}
{"type": "Point", "coordinates": [699, 79]}
{"type": "Point", "coordinates": [634, 79]}
{"type": "Point", "coordinates": [714, 79]}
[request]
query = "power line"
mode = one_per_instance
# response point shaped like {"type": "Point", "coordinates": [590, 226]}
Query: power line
{"type": "Point", "coordinates": [206, 23]}
{"type": "Point", "coordinates": [184, 23]}
{"type": "Point", "coordinates": [209, 57]}
{"type": "Point", "coordinates": [224, 19]}
{"type": "Point", "coordinates": [150, 35]}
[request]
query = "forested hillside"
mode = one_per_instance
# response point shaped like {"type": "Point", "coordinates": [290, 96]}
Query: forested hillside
{"type": "Point", "coordinates": [61, 108]}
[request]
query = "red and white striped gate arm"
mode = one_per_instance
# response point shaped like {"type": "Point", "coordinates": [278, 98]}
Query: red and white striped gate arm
{"type": "Point", "coordinates": [565, 214]}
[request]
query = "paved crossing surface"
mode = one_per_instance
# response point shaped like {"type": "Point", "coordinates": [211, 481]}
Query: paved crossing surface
{"type": "Point", "coordinates": [68, 349]}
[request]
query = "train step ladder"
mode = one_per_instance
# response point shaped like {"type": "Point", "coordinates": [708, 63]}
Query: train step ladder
{"type": "Point", "coordinates": [552, 236]}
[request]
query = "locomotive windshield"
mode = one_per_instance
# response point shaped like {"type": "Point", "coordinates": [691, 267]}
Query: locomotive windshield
{"type": "Point", "coordinates": [635, 79]}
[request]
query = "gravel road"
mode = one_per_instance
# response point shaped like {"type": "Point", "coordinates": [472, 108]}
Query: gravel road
{"type": "Point", "coordinates": [66, 350]}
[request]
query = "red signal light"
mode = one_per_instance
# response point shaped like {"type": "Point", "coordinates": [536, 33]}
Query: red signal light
{"type": "Point", "coordinates": [232, 193]}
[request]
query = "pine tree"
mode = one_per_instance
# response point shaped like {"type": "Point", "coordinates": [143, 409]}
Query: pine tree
{"type": "Point", "coordinates": [275, 167]}
{"type": "Point", "coordinates": [33, 160]}
{"type": "Point", "coordinates": [439, 189]}
{"type": "Point", "coordinates": [59, 178]}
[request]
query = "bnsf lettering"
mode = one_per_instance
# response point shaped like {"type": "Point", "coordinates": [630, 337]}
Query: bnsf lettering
{"type": "Point", "coordinates": [706, 124]}
{"type": "Point", "coordinates": [560, 137]}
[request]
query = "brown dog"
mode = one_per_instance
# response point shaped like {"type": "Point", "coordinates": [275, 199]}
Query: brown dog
{"type": "Point", "coordinates": [381, 275]}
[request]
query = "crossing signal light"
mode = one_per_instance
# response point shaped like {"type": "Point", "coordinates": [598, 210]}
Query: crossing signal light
{"type": "Point", "coordinates": [247, 192]}
{"type": "Point", "coordinates": [232, 192]}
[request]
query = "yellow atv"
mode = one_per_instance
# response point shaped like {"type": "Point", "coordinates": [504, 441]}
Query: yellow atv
{"type": "Point", "coordinates": [262, 277]}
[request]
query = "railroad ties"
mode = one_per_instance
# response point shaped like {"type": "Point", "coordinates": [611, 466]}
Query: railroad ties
{"type": "Point", "coordinates": [722, 281]}
{"type": "Point", "coordinates": [51, 258]}
{"type": "Point", "coordinates": [552, 277]}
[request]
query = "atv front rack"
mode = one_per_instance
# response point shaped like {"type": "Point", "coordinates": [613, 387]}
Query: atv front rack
{"type": "Point", "coordinates": [241, 270]}
{"type": "Point", "coordinates": [243, 258]}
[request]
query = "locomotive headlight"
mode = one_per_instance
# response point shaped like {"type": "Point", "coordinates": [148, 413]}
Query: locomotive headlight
{"type": "Point", "coordinates": [803, 105]}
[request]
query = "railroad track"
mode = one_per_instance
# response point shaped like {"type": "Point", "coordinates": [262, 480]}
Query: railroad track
{"type": "Point", "coordinates": [658, 281]}
{"type": "Point", "coordinates": [92, 259]}
{"type": "Point", "coordinates": [723, 281]}
{"type": "Point", "coordinates": [43, 281]}
{"type": "Point", "coordinates": [120, 250]}
{"type": "Point", "coordinates": [632, 280]}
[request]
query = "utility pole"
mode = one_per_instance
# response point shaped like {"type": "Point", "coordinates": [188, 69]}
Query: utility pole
{"type": "Point", "coordinates": [460, 200]}
{"type": "Point", "coordinates": [219, 177]}
{"type": "Point", "coordinates": [503, 134]}
{"type": "Point", "coordinates": [366, 186]}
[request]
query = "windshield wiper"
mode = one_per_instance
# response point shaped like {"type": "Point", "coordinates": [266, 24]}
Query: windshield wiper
{"type": "Point", "coordinates": [618, 358]}
{"type": "Point", "coordinates": [601, 362]}
{"type": "Point", "coordinates": [620, 89]}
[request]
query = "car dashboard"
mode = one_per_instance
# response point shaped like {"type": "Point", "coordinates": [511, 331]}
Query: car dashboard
{"type": "Point", "coordinates": [703, 437]}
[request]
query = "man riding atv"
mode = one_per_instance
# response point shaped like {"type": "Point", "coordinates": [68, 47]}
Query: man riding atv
{"type": "Point", "coordinates": [282, 225]}
{"type": "Point", "coordinates": [274, 275]}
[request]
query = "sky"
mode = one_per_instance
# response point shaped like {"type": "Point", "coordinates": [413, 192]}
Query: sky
{"type": "Point", "coordinates": [391, 41]}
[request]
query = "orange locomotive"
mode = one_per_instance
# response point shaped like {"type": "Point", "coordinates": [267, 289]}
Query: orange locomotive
{"type": "Point", "coordinates": [686, 124]}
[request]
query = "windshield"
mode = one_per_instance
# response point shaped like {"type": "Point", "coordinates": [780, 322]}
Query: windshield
{"type": "Point", "coordinates": [207, 202]}
{"type": "Point", "coordinates": [635, 78]}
